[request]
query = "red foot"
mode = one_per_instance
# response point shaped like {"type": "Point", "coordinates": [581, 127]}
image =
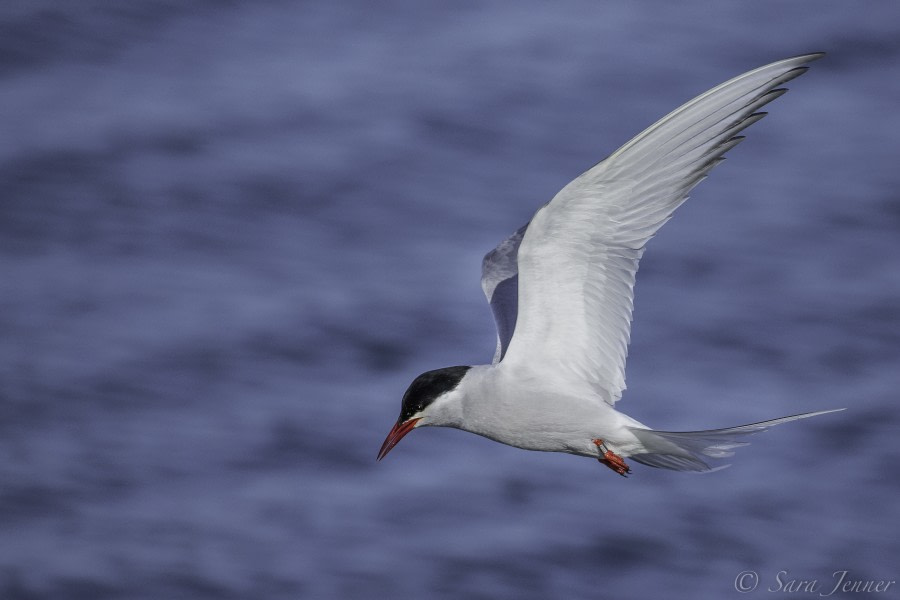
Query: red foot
{"type": "Point", "coordinates": [611, 459]}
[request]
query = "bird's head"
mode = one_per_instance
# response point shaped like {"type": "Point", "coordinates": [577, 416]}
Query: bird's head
{"type": "Point", "coordinates": [429, 400]}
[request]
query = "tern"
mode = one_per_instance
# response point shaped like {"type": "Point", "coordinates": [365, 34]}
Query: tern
{"type": "Point", "coordinates": [561, 292]}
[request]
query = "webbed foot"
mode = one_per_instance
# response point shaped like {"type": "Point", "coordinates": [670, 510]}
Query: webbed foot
{"type": "Point", "coordinates": [611, 459]}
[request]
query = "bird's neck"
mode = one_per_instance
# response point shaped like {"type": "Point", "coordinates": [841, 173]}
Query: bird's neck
{"type": "Point", "coordinates": [451, 409]}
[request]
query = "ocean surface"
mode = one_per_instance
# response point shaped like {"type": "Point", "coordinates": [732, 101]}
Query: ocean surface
{"type": "Point", "coordinates": [231, 233]}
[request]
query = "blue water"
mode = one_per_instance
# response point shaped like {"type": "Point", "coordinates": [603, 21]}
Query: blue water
{"type": "Point", "coordinates": [232, 233]}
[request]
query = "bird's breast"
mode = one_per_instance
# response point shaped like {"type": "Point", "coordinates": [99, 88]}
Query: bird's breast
{"type": "Point", "coordinates": [532, 417]}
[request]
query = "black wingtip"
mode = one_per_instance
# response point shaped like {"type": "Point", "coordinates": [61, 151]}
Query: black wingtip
{"type": "Point", "coordinates": [811, 56]}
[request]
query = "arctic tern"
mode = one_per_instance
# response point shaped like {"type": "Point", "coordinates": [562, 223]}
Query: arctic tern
{"type": "Point", "coordinates": [561, 292]}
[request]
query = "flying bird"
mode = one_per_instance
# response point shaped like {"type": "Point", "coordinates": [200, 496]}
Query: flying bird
{"type": "Point", "coordinates": [561, 292]}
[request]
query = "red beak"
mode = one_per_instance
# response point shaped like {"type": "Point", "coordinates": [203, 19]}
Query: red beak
{"type": "Point", "coordinates": [396, 434]}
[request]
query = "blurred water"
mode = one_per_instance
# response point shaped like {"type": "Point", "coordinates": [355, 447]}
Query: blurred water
{"type": "Point", "coordinates": [230, 235]}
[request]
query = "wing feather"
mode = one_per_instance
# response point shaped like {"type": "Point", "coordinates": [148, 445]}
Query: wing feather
{"type": "Point", "coordinates": [500, 282]}
{"type": "Point", "coordinates": [574, 265]}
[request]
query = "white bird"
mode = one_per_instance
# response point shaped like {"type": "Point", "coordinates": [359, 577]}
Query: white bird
{"type": "Point", "coordinates": [561, 292]}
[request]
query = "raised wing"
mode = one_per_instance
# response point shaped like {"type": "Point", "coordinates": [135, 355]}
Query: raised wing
{"type": "Point", "coordinates": [578, 257]}
{"type": "Point", "coordinates": [500, 282]}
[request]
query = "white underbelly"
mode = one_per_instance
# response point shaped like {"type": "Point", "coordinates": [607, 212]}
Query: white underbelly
{"type": "Point", "coordinates": [550, 422]}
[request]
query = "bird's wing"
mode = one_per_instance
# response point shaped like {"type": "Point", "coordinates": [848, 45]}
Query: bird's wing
{"type": "Point", "coordinates": [500, 282]}
{"type": "Point", "coordinates": [579, 254]}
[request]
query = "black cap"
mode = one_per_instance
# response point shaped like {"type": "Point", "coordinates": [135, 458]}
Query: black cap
{"type": "Point", "coordinates": [427, 387]}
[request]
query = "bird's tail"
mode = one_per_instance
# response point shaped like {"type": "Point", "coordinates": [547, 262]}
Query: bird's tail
{"type": "Point", "coordinates": [684, 450]}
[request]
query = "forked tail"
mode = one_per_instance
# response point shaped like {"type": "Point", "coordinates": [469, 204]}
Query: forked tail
{"type": "Point", "coordinates": [683, 450]}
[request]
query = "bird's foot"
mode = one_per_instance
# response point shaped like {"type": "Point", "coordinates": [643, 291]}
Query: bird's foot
{"type": "Point", "coordinates": [611, 459]}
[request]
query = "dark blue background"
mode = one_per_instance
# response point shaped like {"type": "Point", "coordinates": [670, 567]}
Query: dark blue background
{"type": "Point", "coordinates": [232, 233]}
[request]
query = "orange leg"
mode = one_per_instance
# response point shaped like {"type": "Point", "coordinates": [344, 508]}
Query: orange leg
{"type": "Point", "coordinates": [611, 459]}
